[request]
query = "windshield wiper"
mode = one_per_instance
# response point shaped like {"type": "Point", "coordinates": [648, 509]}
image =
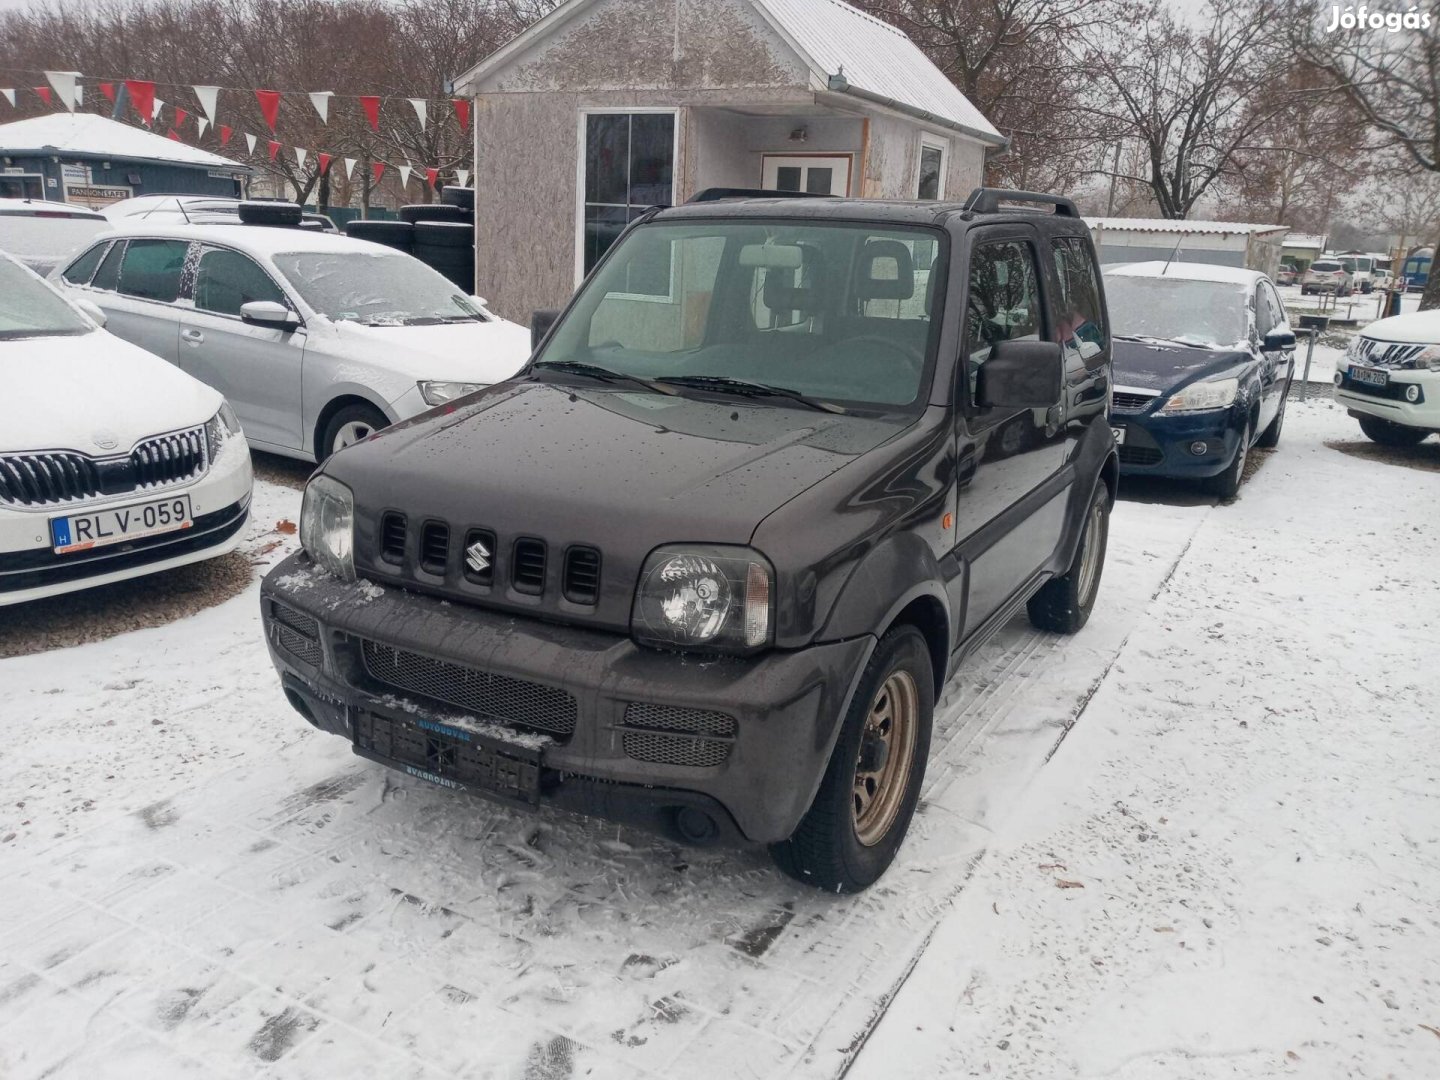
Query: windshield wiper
{"type": "Point", "coordinates": [1149, 339]}
{"type": "Point", "coordinates": [744, 388]}
{"type": "Point", "coordinates": [601, 374]}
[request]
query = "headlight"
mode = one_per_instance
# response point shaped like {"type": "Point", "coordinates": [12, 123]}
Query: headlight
{"type": "Point", "coordinates": [703, 596]}
{"type": "Point", "coordinates": [1214, 394]}
{"type": "Point", "coordinates": [221, 426]}
{"type": "Point", "coordinates": [438, 393]}
{"type": "Point", "coordinates": [327, 526]}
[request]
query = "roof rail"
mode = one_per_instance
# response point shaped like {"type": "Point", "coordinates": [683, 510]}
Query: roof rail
{"type": "Point", "coordinates": [985, 200]}
{"type": "Point", "coordinates": [718, 194]}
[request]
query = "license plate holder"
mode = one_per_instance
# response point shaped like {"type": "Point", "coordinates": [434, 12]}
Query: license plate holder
{"type": "Point", "coordinates": [1119, 433]}
{"type": "Point", "coordinates": [449, 756]}
{"type": "Point", "coordinates": [1370, 376]}
{"type": "Point", "coordinates": [120, 524]}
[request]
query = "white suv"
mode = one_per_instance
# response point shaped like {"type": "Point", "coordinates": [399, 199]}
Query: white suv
{"type": "Point", "coordinates": [1390, 379]}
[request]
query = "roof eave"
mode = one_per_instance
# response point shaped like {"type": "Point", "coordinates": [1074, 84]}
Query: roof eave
{"type": "Point", "coordinates": [840, 84]}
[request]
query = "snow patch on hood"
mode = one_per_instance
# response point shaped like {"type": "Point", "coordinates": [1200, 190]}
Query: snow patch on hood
{"type": "Point", "coordinates": [476, 352]}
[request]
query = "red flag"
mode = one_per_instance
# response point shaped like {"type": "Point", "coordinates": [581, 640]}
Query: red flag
{"type": "Point", "coordinates": [462, 112]}
{"type": "Point", "coordinates": [142, 96]}
{"type": "Point", "coordinates": [274, 148]}
{"type": "Point", "coordinates": [225, 133]}
{"type": "Point", "coordinates": [44, 92]}
{"type": "Point", "coordinates": [173, 134]}
{"type": "Point", "coordinates": [108, 89]}
{"type": "Point", "coordinates": [269, 106]}
{"type": "Point", "coordinates": [378, 169]}
{"type": "Point", "coordinates": [432, 175]}
{"type": "Point", "coordinates": [324, 164]}
{"type": "Point", "coordinates": [180, 115]}
{"type": "Point", "coordinates": [372, 111]}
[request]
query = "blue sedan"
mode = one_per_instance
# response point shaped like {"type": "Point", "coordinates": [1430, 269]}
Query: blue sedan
{"type": "Point", "coordinates": [1204, 358]}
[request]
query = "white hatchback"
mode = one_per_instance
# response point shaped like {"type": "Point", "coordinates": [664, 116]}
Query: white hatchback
{"type": "Point", "coordinates": [113, 464]}
{"type": "Point", "coordinates": [1390, 378]}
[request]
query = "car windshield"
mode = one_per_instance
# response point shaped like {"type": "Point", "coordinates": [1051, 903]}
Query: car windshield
{"type": "Point", "coordinates": [30, 308]}
{"type": "Point", "coordinates": [376, 289]}
{"type": "Point", "coordinates": [815, 312]}
{"type": "Point", "coordinates": [1205, 313]}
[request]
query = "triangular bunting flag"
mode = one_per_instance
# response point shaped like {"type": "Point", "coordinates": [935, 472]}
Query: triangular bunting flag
{"type": "Point", "coordinates": [155, 108]}
{"type": "Point", "coordinates": [180, 115]}
{"type": "Point", "coordinates": [300, 156]}
{"type": "Point", "coordinates": [432, 175]}
{"type": "Point", "coordinates": [200, 125]}
{"type": "Point", "coordinates": [324, 163]}
{"type": "Point", "coordinates": [108, 89]}
{"type": "Point", "coordinates": [208, 95]}
{"type": "Point", "coordinates": [142, 96]}
{"type": "Point", "coordinates": [44, 92]}
{"type": "Point", "coordinates": [405, 171]}
{"type": "Point", "coordinates": [463, 175]}
{"type": "Point", "coordinates": [378, 170]}
{"type": "Point", "coordinates": [349, 167]}
{"type": "Point", "coordinates": [173, 134]}
{"type": "Point", "coordinates": [418, 104]}
{"type": "Point", "coordinates": [250, 142]}
{"type": "Point", "coordinates": [64, 84]}
{"type": "Point", "coordinates": [274, 148]}
{"type": "Point", "coordinates": [321, 101]}
{"type": "Point", "coordinates": [79, 95]}
{"type": "Point", "coordinates": [225, 132]}
{"type": "Point", "coordinates": [269, 106]}
{"type": "Point", "coordinates": [9, 95]}
{"type": "Point", "coordinates": [372, 111]}
{"type": "Point", "coordinates": [462, 112]}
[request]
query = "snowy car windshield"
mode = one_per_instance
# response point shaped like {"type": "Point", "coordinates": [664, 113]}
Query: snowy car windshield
{"type": "Point", "coordinates": [30, 308]}
{"type": "Point", "coordinates": [376, 289]}
{"type": "Point", "coordinates": [1200, 313]}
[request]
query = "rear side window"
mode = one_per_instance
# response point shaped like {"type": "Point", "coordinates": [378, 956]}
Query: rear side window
{"type": "Point", "coordinates": [152, 269]}
{"type": "Point", "coordinates": [1080, 320]}
{"type": "Point", "coordinates": [83, 269]}
{"type": "Point", "coordinates": [226, 280]}
{"type": "Point", "coordinates": [108, 276]}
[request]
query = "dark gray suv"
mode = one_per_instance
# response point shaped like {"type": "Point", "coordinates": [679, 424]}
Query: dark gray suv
{"type": "Point", "coordinates": [706, 562]}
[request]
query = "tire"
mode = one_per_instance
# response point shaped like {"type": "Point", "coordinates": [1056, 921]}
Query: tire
{"type": "Point", "coordinates": [454, 195]}
{"type": "Point", "coordinates": [1227, 484]}
{"type": "Point", "coordinates": [1387, 433]}
{"type": "Point", "coordinates": [1270, 437]}
{"type": "Point", "coordinates": [397, 234]}
{"type": "Point", "coordinates": [444, 234]}
{"type": "Point", "coordinates": [259, 212]}
{"type": "Point", "coordinates": [349, 425]}
{"type": "Point", "coordinates": [418, 212]}
{"type": "Point", "coordinates": [847, 840]}
{"type": "Point", "coordinates": [1063, 605]}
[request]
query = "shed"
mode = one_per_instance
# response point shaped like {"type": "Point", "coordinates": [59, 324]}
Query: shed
{"type": "Point", "coordinates": [95, 161]}
{"type": "Point", "coordinates": [1301, 249]}
{"type": "Point", "coordinates": [607, 107]}
{"type": "Point", "coordinates": [1222, 243]}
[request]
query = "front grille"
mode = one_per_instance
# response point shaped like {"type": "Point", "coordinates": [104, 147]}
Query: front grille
{"type": "Point", "coordinates": [64, 476]}
{"type": "Point", "coordinates": [435, 547]}
{"type": "Point", "coordinates": [169, 459]}
{"type": "Point", "coordinates": [529, 570]}
{"type": "Point", "coordinates": [1140, 455]}
{"type": "Point", "coordinates": [582, 576]}
{"type": "Point", "coordinates": [666, 735]}
{"type": "Point", "coordinates": [1131, 402]}
{"type": "Point", "coordinates": [296, 633]}
{"type": "Point", "coordinates": [392, 538]}
{"type": "Point", "coordinates": [41, 479]}
{"type": "Point", "coordinates": [1389, 353]}
{"type": "Point", "coordinates": [1394, 391]}
{"type": "Point", "coordinates": [483, 693]}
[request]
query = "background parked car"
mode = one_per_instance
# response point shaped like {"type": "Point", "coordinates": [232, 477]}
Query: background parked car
{"type": "Point", "coordinates": [42, 235]}
{"type": "Point", "coordinates": [1361, 269]}
{"type": "Point", "coordinates": [316, 340]}
{"type": "Point", "coordinates": [1326, 276]}
{"type": "Point", "coordinates": [1390, 379]}
{"type": "Point", "coordinates": [113, 464]}
{"type": "Point", "coordinates": [1204, 357]}
{"type": "Point", "coordinates": [213, 210]}
{"type": "Point", "coordinates": [1287, 275]}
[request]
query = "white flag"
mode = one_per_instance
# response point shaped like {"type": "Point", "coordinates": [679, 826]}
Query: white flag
{"type": "Point", "coordinates": [63, 83]}
{"type": "Point", "coordinates": [155, 112]}
{"type": "Point", "coordinates": [79, 95]}
{"type": "Point", "coordinates": [200, 126]}
{"type": "Point", "coordinates": [9, 95]}
{"type": "Point", "coordinates": [250, 142]}
{"type": "Point", "coordinates": [207, 96]}
{"type": "Point", "coordinates": [300, 157]}
{"type": "Point", "coordinates": [349, 167]}
{"type": "Point", "coordinates": [419, 105]}
{"type": "Point", "coordinates": [405, 171]}
{"type": "Point", "coordinates": [321, 100]}
{"type": "Point", "coordinates": [463, 175]}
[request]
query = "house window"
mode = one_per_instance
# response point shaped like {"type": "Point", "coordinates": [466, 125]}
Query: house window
{"type": "Point", "coordinates": [932, 168]}
{"type": "Point", "coordinates": [629, 166]}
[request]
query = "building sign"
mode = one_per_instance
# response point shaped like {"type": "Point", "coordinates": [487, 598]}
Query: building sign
{"type": "Point", "coordinates": [75, 174]}
{"type": "Point", "coordinates": [95, 197]}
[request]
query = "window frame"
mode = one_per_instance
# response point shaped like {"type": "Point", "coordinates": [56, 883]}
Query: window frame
{"type": "Point", "coordinates": [582, 124]}
{"type": "Point", "coordinates": [103, 246]}
{"type": "Point", "coordinates": [932, 142]}
{"type": "Point", "coordinates": [188, 291]}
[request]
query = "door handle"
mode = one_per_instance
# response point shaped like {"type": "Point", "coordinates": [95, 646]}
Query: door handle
{"type": "Point", "coordinates": [195, 337]}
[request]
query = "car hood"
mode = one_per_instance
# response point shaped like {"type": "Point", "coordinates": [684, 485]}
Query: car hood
{"type": "Point", "coordinates": [1166, 367]}
{"type": "Point", "coordinates": [83, 391]}
{"type": "Point", "coordinates": [1416, 328]}
{"type": "Point", "coordinates": [476, 352]}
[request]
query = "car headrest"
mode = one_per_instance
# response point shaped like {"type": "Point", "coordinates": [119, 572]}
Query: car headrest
{"type": "Point", "coordinates": [887, 271]}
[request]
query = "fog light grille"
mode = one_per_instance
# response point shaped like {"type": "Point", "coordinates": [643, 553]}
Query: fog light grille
{"type": "Point", "coordinates": [675, 736]}
{"type": "Point", "coordinates": [297, 634]}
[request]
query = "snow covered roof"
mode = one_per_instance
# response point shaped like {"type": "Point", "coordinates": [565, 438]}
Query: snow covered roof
{"type": "Point", "coordinates": [846, 50]}
{"type": "Point", "coordinates": [1187, 271]}
{"type": "Point", "coordinates": [1304, 240]}
{"type": "Point", "coordinates": [262, 241]}
{"type": "Point", "coordinates": [92, 135]}
{"type": "Point", "coordinates": [1191, 228]}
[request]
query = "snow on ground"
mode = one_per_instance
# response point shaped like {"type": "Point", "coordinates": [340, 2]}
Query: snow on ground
{"type": "Point", "coordinates": [199, 883]}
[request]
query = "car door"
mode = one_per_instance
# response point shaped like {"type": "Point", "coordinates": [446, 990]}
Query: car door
{"type": "Point", "coordinates": [257, 368]}
{"type": "Point", "coordinates": [1009, 462]}
{"type": "Point", "coordinates": [1280, 363]}
{"type": "Point", "coordinates": [137, 286]}
{"type": "Point", "coordinates": [1263, 320]}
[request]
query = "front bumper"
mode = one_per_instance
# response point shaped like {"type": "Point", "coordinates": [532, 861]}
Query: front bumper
{"type": "Point", "coordinates": [1157, 445]}
{"type": "Point", "coordinates": [634, 734]}
{"type": "Point", "coordinates": [1389, 403]}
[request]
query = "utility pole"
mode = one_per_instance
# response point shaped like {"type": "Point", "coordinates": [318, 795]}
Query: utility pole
{"type": "Point", "coordinates": [1114, 176]}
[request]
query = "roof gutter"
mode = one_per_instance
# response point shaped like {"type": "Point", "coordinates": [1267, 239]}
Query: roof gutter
{"type": "Point", "coordinates": [842, 85]}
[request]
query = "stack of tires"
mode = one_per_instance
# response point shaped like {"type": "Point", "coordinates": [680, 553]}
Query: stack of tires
{"type": "Point", "coordinates": [441, 235]}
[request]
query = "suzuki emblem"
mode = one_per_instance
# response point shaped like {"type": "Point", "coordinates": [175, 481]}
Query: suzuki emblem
{"type": "Point", "coordinates": [477, 557]}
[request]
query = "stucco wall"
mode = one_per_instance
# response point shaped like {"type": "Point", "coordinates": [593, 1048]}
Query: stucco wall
{"type": "Point", "coordinates": [893, 161]}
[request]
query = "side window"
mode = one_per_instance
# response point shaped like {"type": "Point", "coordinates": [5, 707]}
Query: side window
{"type": "Point", "coordinates": [108, 276]}
{"type": "Point", "coordinates": [1264, 317]}
{"type": "Point", "coordinates": [1080, 327]}
{"type": "Point", "coordinates": [83, 269]}
{"type": "Point", "coordinates": [1278, 317]}
{"type": "Point", "coordinates": [226, 280]}
{"type": "Point", "coordinates": [152, 269]}
{"type": "Point", "coordinates": [1003, 302]}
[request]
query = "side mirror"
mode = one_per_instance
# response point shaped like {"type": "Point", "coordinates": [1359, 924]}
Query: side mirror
{"type": "Point", "coordinates": [92, 309]}
{"type": "Point", "coordinates": [269, 313]}
{"type": "Point", "coordinates": [540, 324]}
{"type": "Point", "coordinates": [1277, 339]}
{"type": "Point", "coordinates": [1021, 375]}
{"type": "Point", "coordinates": [480, 300]}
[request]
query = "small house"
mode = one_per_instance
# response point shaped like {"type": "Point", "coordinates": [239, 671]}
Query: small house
{"type": "Point", "coordinates": [1222, 243]}
{"type": "Point", "coordinates": [1301, 249]}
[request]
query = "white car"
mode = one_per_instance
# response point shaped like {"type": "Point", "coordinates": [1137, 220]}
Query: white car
{"type": "Point", "coordinates": [1390, 378]}
{"type": "Point", "coordinates": [113, 464]}
{"type": "Point", "coordinates": [43, 235]}
{"type": "Point", "coordinates": [317, 341]}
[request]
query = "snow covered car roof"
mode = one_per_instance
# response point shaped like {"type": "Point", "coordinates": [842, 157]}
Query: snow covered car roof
{"type": "Point", "coordinates": [262, 241]}
{"type": "Point", "coordinates": [1187, 271]}
{"type": "Point", "coordinates": [36, 207]}
{"type": "Point", "coordinates": [1418, 328]}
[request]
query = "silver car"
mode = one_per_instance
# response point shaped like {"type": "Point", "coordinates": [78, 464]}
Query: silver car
{"type": "Point", "coordinates": [316, 340]}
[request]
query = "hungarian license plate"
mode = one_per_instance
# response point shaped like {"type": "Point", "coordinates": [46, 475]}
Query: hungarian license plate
{"type": "Point", "coordinates": [1119, 433]}
{"type": "Point", "coordinates": [1370, 376]}
{"type": "Point", "coordinates": [116, 525]}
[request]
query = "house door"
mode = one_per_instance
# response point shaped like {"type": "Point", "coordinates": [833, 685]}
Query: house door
{"type": "Point", "coordinates": [812, 173]}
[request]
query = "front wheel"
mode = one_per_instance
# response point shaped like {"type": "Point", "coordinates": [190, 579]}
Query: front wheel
{"type": "Point", "coordinates": [854, 828]}
{"type": "Point", "coordinates": [1227, 484]}
{"type": "Point", "coordinates": [1063, 605]}
{"type": "Point", "coordinates": [347, 427]}
{"type": "Point", "coordinates": [1387, 433]}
